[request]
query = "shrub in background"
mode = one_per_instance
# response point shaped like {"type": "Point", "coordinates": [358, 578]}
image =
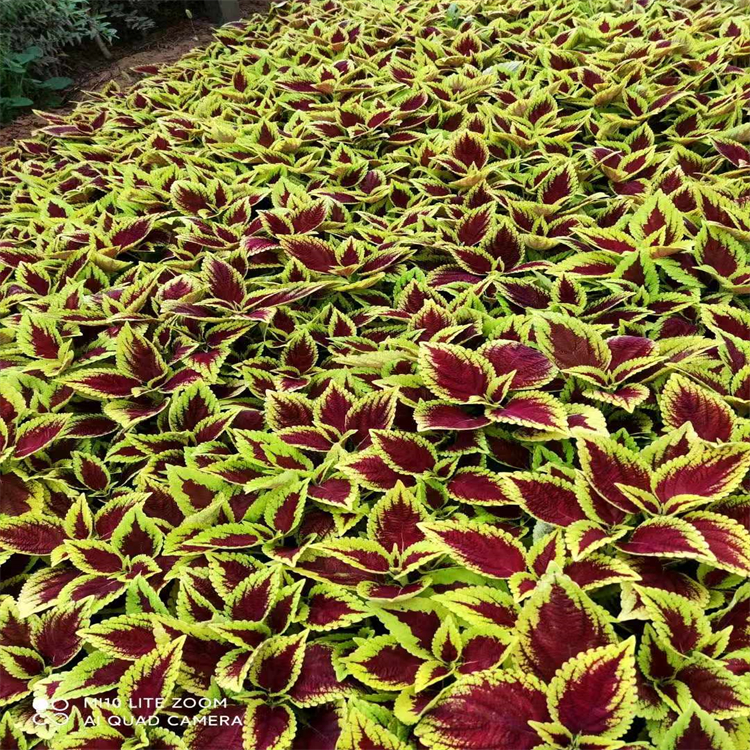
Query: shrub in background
{"type": "Point", "coordinates": [379, 378]}
{"type": "Point", "coordinates": [19, 86]}
{"type": "Point", "coordinates": [49, 25]}
{"type": "Point", "coordinates": [32, 35]}
{"type": "Point", "coordinates": [36, 35]}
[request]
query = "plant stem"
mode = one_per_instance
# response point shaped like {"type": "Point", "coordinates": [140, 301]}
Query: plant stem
{"type": "Point", "coordinates": [99, 41]}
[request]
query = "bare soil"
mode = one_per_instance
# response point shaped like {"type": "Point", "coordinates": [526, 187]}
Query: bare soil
{"type": "Point", "coordinates": [91, 70]}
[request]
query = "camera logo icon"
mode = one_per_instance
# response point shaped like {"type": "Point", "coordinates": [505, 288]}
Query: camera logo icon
{"type": "Point", "coordinates": [50, 711]}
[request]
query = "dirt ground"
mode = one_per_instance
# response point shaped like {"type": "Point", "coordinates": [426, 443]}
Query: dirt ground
{"type": "Point", "coordinates": [91, 70]}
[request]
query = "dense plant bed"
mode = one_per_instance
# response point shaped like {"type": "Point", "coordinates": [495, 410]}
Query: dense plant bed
{"type": "Point", "coordinates": [378, 378]}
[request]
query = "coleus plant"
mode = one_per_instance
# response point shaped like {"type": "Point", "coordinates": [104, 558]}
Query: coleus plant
{"type": "Point", "coordinates": [378, 377]}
